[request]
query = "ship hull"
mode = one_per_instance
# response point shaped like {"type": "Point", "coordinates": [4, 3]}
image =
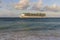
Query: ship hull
{"type": "Point", "coordinates": [32, 17]}
{"type": "Point", "coordinates": [39, 17]}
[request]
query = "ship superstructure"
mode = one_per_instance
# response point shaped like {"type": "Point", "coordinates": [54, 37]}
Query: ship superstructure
{"type": "Point", "coordinates": [32, 15]}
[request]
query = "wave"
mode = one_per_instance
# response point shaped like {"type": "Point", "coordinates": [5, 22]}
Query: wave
{"type": "Point", "coordinates": [29, 25]}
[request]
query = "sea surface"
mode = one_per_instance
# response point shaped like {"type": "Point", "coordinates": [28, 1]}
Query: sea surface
{"type": "Point", "coordinates": [30, 24]}
{"type": "Point", "coordinates": [29, 28]}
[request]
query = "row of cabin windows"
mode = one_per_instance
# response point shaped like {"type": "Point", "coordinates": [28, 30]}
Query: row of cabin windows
{"type": "Point", "coordinates": [35, 14]}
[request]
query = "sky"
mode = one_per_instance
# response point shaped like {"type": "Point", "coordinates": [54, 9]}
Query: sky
{"type": "Point", "coordinates": [13, 8]}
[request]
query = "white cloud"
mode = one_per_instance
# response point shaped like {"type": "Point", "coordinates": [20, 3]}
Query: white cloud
{"type": "Point", "coordinates": [39, 6]}
{"type": "Point", "coordinates": [53, 7]}
{"type": "Point", "coordinates": [35, 5]}
{"type": "Point", "coordinates": [22, 4]}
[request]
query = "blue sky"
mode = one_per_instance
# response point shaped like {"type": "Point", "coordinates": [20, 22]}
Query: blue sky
{"type": "Point", "coordinates": [7, 6]}
{"type": "Point", "coordinates": [49, 2]}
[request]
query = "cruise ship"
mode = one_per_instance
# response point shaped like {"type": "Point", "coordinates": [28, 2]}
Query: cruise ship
{"type": "Point", "coordinates": [41, 15]}
{"type": "Point", "coordinates": [33, 15]}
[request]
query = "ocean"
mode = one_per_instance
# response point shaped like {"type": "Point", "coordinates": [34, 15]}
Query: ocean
{"type": "Point", "coordinates": [30, 23]}
{"type": "Point", "coordinates": [30, 28]}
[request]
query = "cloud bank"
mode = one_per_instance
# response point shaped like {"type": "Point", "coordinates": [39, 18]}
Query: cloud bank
{"type": "Point", "coordinates": [25, 4]}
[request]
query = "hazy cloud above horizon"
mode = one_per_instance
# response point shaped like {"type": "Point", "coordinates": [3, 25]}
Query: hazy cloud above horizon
{"type": "Point", "coordinates": [15, 7]}
{"type": "Point", "coordinates": [39, 5]}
